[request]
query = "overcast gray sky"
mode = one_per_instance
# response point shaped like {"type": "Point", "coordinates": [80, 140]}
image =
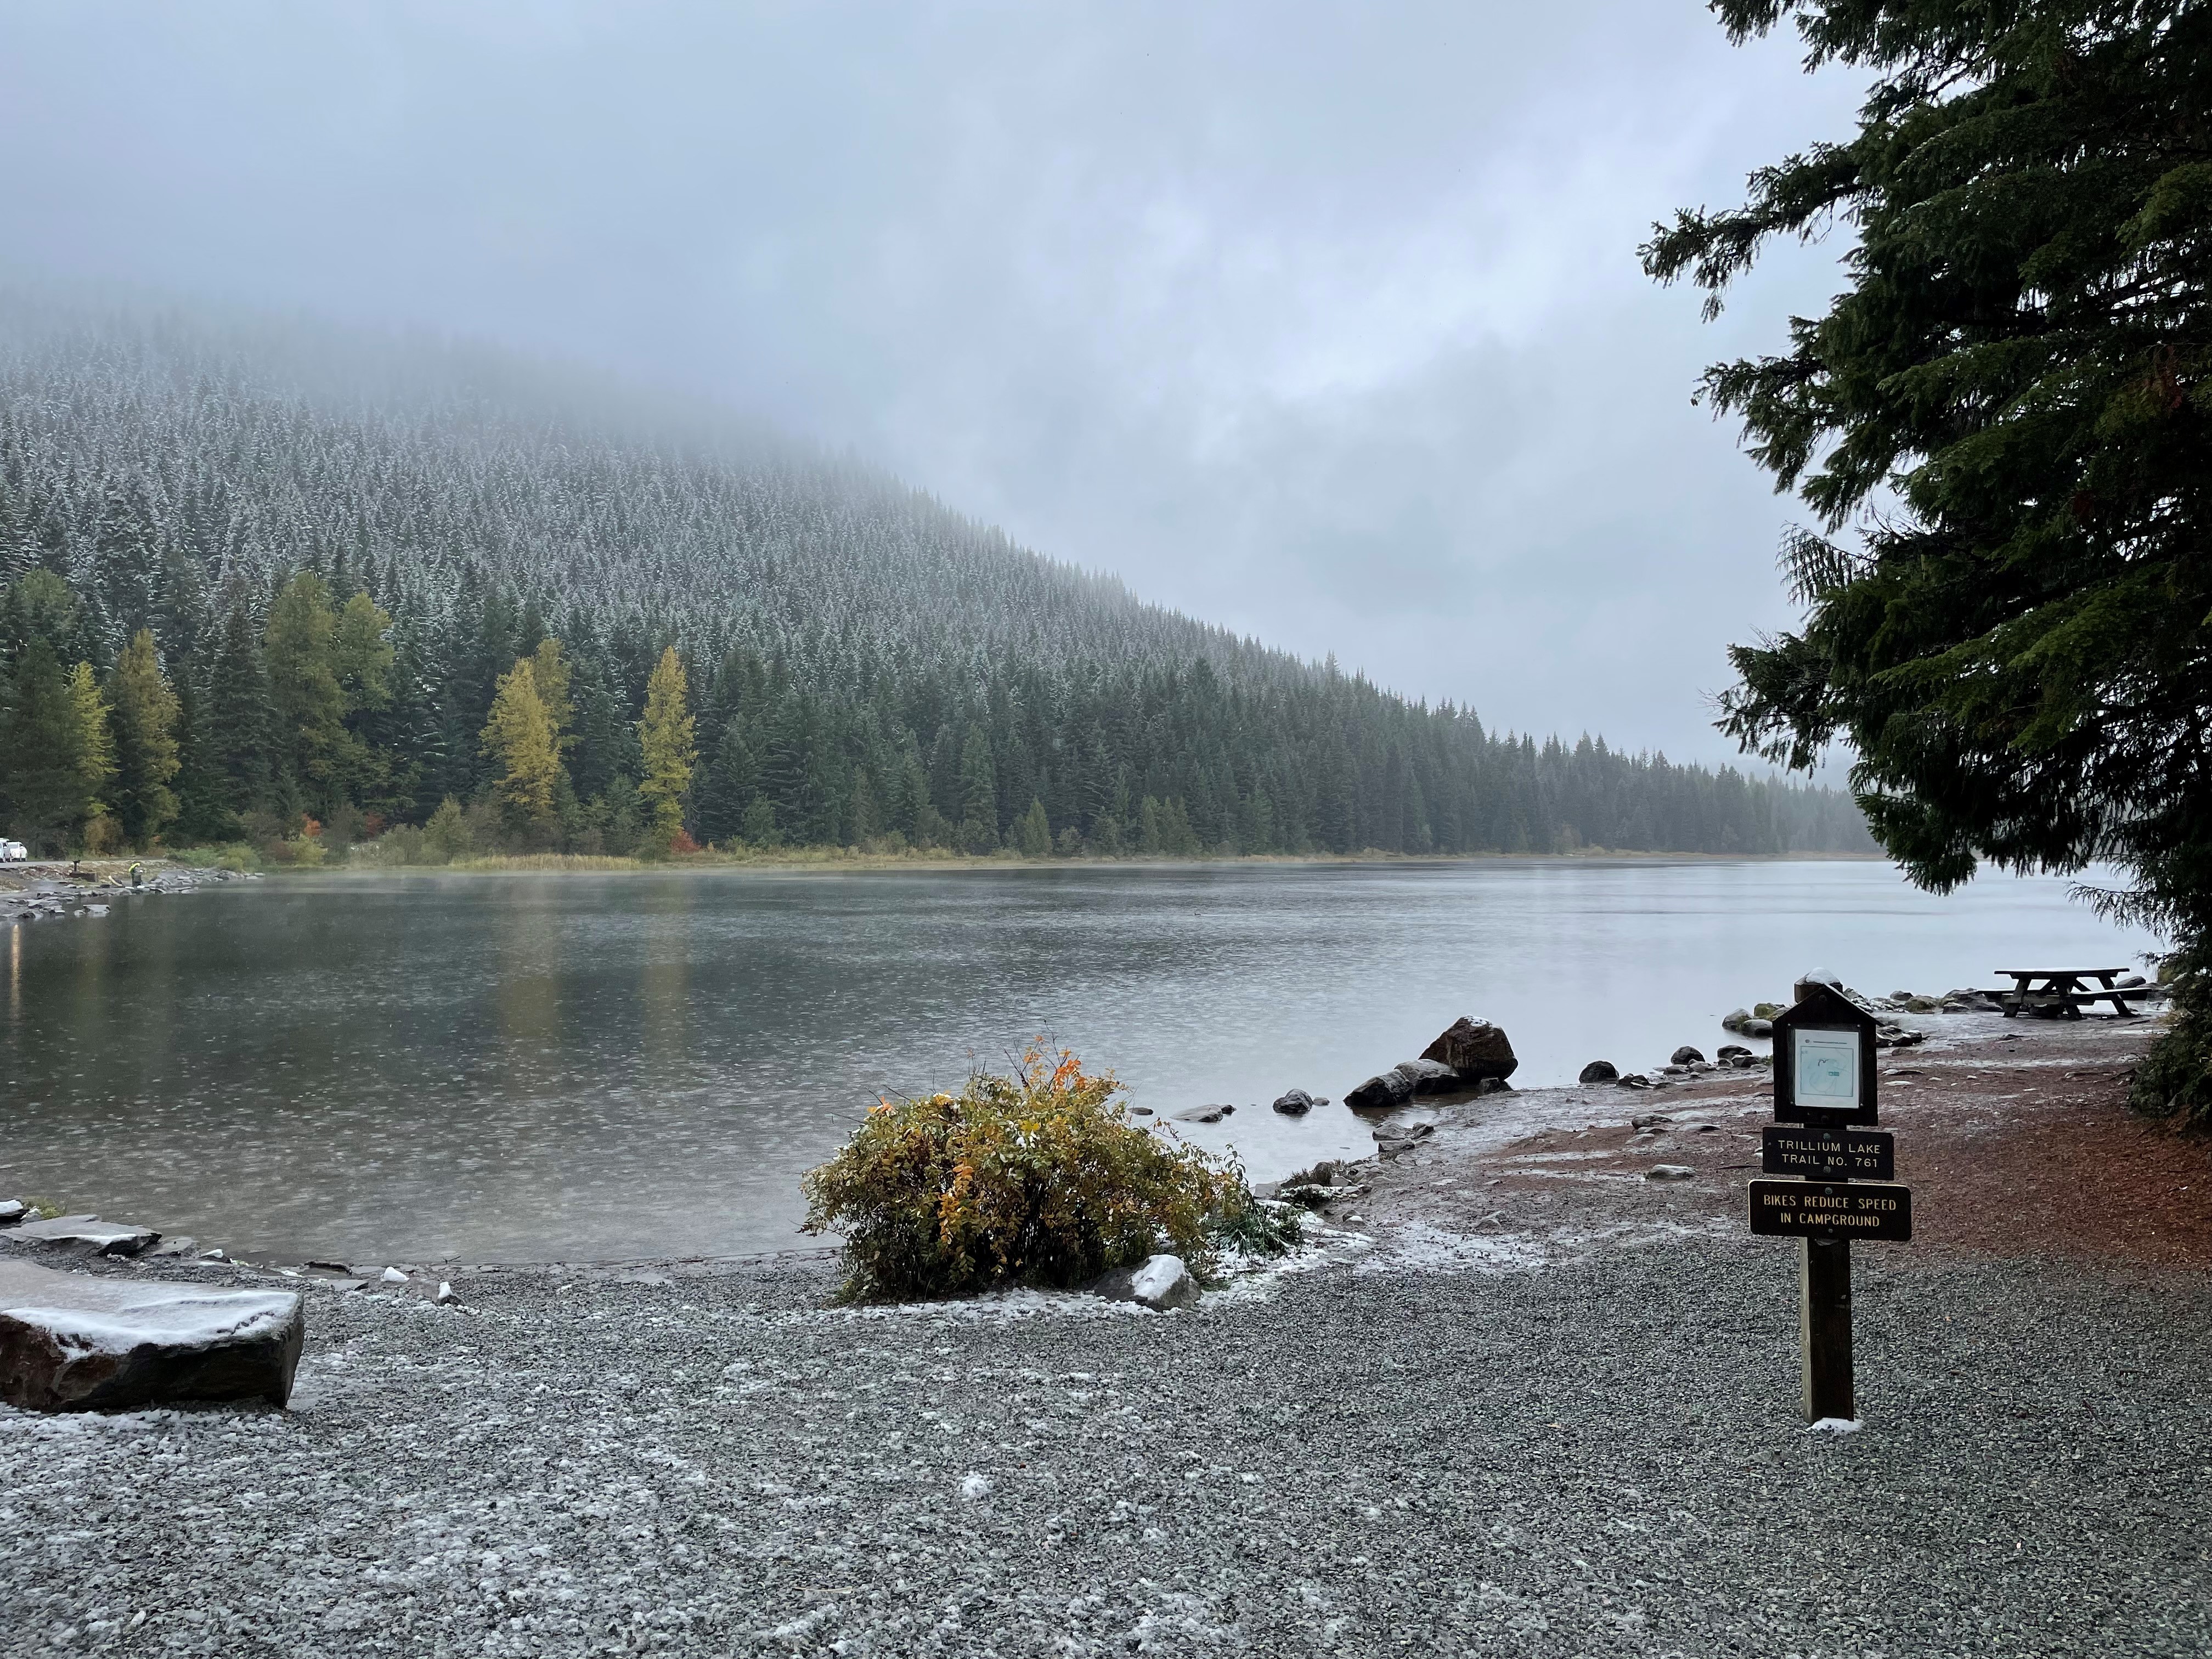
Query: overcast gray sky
{"type": "Point", "coordinates": [1323, 322]}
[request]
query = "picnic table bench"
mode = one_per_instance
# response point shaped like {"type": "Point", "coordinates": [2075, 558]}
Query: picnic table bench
{"type": "Point", "coordinates": [2067, 991]}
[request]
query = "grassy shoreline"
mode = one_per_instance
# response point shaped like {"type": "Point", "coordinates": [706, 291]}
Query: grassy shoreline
{"type": "Point", "coordinates": [816, 859]}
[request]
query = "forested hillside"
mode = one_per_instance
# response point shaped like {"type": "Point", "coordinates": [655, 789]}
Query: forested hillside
{"type": "Point", "coordinates": [257, 576]}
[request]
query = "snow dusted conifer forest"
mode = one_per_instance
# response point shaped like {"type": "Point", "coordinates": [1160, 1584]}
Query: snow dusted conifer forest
{"type": "Point", "coordinates": [864, 666]}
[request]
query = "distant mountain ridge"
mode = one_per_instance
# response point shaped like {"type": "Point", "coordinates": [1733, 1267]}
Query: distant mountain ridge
{"type": "Point", "coordinates": [863, 662]}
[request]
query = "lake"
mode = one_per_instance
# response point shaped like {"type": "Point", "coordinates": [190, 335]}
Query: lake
{"type": "Point", "coordinates": [489, 1067]}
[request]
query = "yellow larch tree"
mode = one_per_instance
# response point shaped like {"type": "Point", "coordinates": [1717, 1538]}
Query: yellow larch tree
{"type": "Point", "coordinates": [549, 670]}
{"type": "Point", "coordinates": [665, 736]}
{"type": "Point", "coordinates": [520, 736]}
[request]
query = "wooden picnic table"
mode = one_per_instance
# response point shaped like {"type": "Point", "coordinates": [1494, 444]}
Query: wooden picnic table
{"type": "Point", "coordinates": [2051, 986]}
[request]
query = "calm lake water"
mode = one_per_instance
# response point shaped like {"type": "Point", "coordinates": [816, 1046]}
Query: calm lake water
{"type": "Point", "coordinates": [517, 1068]}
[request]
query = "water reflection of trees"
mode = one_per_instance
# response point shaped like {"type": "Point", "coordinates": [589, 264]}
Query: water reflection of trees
{"type": "Point", "coordinates": [664, 983]}
{"type": "Point", "coordinates": [526, 1000]}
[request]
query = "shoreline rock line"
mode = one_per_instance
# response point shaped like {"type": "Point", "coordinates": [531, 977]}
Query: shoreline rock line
{"type": "Point", "coordinates": [1471, 1055]}
{"type": "Point", "coordinates": [56, 893]}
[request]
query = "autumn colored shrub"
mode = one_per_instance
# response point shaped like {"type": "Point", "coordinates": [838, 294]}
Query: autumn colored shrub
{"type": "Point", "coordinates": [1037, 1179]}
{"type": "Point", "coordinates": [302, 852]}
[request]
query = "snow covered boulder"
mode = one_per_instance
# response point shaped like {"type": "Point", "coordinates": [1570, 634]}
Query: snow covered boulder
{"type": "Point", "coordinates": [87, 1235]}
{"type": "Point", "coordinates": [1813, 977]}
{"type": "Point", "coordinates": [1159, 1282]}
{"type": "Point", "coordinates": [73, 1342]}
{"type": "Point", "coordinates": [1474, 1048]}
{"type": "Point", "coordinates": [12, 1210]}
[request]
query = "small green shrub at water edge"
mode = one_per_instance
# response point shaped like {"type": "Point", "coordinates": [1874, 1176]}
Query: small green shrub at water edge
{"type": "Point", "coordinates": [1037, 1179]}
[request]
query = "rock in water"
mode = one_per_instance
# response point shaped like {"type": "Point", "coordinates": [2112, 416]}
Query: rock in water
{"type": "Point", "coordinates": [88, 1234]}
{"type": "Point", "coordinates": [12, 1210]}
{"type": "Point", "coordinates": [1204, 1115]}
{"type": "Point", "coordinates": [1428, 1077]}
{"type": "Point", "coordinates": [1686, 1055]}
{"type": "Point", "coordinates": [1474, 1048]}
{"type": "Point", "coordinates": [1297, 1103]}
{"type": "Point", "coordinates": [1813, 977]}
{"type": "Point", "coordinates": [72, 1342]}
{"type": "Point", "coordinates": [1600, 1071]}
{"type": "Point", "coordinates": [1381, 1091]}
{"type": "Point", "coordinates": [1159, 1282]}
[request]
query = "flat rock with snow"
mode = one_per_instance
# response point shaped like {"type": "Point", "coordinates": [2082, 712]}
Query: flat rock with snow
{"type": "Point", "coordinates": [1159, 1282]}
{"type": "Point", "coordinates": [74, 1342]}
{"type": "Point", "coordinates": [87, 1235]}
{"type": "Point", "coordinates": [1204, 1114]}
{"type": "Point", "coordinates": [1380, 1092]}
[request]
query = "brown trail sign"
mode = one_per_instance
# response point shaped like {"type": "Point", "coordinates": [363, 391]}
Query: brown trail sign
{"type": "Point", "coordinates": [1824, 1154]}
{"type": "Point", "coordinates": [1832, 1209]}
{"type": "Point", "coordinates": [1824, 1090]}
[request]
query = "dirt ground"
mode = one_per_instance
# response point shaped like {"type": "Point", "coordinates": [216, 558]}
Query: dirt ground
{"type": "Point", "coordinates": [2014, 1136]}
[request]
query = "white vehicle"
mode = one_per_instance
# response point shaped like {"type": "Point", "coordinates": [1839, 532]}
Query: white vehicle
{"type": "Point", "coordinates": [13, 852]}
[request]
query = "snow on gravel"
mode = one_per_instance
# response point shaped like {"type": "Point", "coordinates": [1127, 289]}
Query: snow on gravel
{"type": "Point", "coordinates": [1596, 1453]}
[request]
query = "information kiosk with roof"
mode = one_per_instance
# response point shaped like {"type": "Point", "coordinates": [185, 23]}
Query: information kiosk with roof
{"type": "Point", "coordinates": [1824, 1060]}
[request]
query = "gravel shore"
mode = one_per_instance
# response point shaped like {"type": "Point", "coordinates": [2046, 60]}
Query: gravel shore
{"type": "Point", "coordinates": [1426, 1436]}
{"type": "Point", "coordinates": [46, 891]}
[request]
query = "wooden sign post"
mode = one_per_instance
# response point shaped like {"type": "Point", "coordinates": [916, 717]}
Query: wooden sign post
{"type": "Point", "coordinates": [1823, 1109]}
